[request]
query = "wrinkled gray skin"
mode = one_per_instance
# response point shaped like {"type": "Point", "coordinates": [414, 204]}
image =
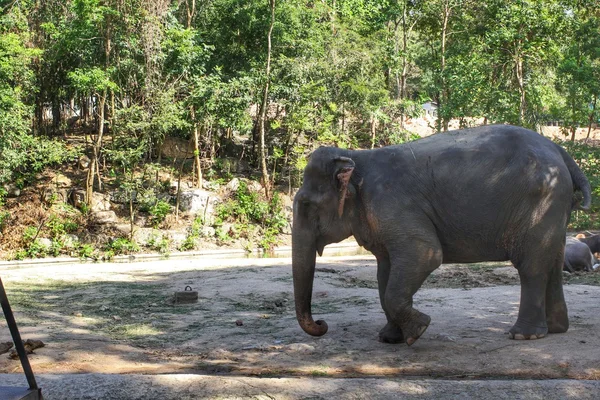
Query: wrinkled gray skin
{"type": "Point", "coordinates": [578, 256]}
{"type": "Point", "coordinates": [593, 242]}
{"type": "Point", "coordinates": [492, 193]}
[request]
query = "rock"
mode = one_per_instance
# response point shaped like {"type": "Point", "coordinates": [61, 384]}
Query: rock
{"type": "Point", "coordinates": [177, 238]}
{"type": "Point", "coordinates": [104, 217]}
{"type": "Point", "coordinates": [287, 229]}
{"type": "Point", "coordinates": [121, 230]}
{"type": "Point", "coordinates": [44, 242]}
{"type": "Point", "coordinates": [12, 190]}
{"type": "Point", "coordinates": [444, 337]}
{"type": "Point", "coordinates": [173, 147]}
{"type": "Point", "coordinates": [208, 185]}
{"type": "Point", "coordinates": [208, 231]}
{"type": "Point", "coordinates": [228, 228]}
{"type": "Point", "coordinates": [122, 197]}
{"type": "Point", "coordinates": [52, 195]}
{"type": "Point", "coordinates": [5, 347]}
{"type": "Point", "coordinates": [287, 203]}
{"type": "Point", "coordinates": [300, 348]}
{"type": "Point", "coordinates": [84, 162]}
{"type": "Point", "coordinates": [196, 201]}
{"type": "Point", "coordinates": [233, 185]}
{"type": "Point", "coordinates": [30, 345]}
{"type": "Point", "coordinates": [146, 236]}
{"type": "Point", "coordinates": [239, 322]}
{"type": "Point", "coordinates": [174, 185]}
{"type": "Point", "coordinates": [62, 181]}
{"type": "Point", "coordinates": [255, 187]}
{"type": "Point", "coordinates": [100, 201]}
{"type": "Point", "coordinates": [70, 241]}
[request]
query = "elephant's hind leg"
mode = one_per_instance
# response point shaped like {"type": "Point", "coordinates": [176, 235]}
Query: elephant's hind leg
{"type": "Point", "coordinates": [542, 308]}
{"type": "Point", "coordinates": [557, 317]}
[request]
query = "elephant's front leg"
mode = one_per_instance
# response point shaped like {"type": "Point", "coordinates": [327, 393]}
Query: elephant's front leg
{"type": "Point", "coordinates": [410, 264]}
{"type": "Point", "coordinates": [391, 332]}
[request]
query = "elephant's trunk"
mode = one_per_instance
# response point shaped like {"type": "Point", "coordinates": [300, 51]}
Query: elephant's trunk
{"type": "Point", "coordinates": [303, 267]}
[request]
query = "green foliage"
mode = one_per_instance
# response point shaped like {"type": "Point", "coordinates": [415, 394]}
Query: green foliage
{"type": "Point", "coordinates": [194, 233]}
{"type": "Point", "coordinates": [4, 218]}
{"type": "Point", "coordinates": [246, 207]}
{"type": "Point", "coordinates": [345, 73]}
{"type": "Point", "coordinates": [161, 244]}
{"type": "Point", "coordinates": [588, 159]}
{"type": "Point", "coordinates": [86, 250]}
{"type": "Point", "coordinates": [122, 246]}
{"type": "Point", "coordinates": [158, 212]}
{"type": "Point", "coordinates": [60, 226]}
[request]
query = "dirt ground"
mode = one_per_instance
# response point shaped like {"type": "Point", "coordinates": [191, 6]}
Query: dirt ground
{"type": "Point", "coordinates": [120, 318]}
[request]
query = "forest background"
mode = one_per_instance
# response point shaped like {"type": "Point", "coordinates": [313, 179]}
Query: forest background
{"type": "Point", "coordinates": [96, 90]}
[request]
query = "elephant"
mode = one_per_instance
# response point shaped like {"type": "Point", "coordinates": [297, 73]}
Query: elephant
{"type": "Point", "coordinates": [492, 193]}
{"type": "Point", "coordinates": [578, 256]}
{"type": "Point", "coordinates": [593, 242]}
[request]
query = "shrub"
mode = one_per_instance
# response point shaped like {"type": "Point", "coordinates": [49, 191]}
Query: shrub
{"type": "Point", "coordinates": [246, 208]}
{"type": "Point", "coordinates": [159, 212]}
{"type": "Point", "coordinates": [122, 246]}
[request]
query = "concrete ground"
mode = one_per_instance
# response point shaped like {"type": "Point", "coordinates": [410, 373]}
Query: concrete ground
{"type": "Point", "coordinates": [464, 354]}
{"type": "Point", "coordinates": [182, 387]}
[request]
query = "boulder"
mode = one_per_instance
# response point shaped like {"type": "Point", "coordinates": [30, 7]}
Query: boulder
{"type": "Point", "coordinates": [146, 236]}
{"type": "Point", "coordinates": [173, 147]}
{"type": "Point", "coordinates": [53, 194]}
{"type": "Point", "coordinates": [104, 217]}
{"type": "Point", "coordinates": [70, 241]}
{"type": "Point", "coordinates": [62, 181]}
{"type": "Point", "coordinates": [100, 201]}
{"type": "Point", "coordinates": [232, 165]}
{"type": "Point", "coordinates": [255, 187]}
{"type": "Point", "coordinates": [44, 242]}
{"type": "Point", "coordinates": [174, 185]}
{"type": "Point", "coordinates": [208, 231]}
{"type": "Point", "coordinates": [12, 190]}
{"type": "Point", "coordinates": [196, 201]}
{"type": "Point", "coordinates": [233, 185]}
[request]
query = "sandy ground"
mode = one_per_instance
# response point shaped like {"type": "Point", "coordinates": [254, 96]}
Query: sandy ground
{"type": "Point", "coordinates": [119, 318]}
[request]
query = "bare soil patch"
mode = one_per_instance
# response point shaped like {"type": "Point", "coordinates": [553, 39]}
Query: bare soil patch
{"type": "Point", "coordinates": [119, 318]}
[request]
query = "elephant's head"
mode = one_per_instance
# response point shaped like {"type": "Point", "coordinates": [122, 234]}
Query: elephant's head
{"type": "Point", "coordinates": [322, 212]}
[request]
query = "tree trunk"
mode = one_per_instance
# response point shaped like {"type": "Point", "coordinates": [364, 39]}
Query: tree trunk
{"type": "Point", "coordinates": [263, 112]}
{"type": "Point", "coordinates": [96, 148]}
{"type": "Point", "coordinates": [197, 166]}
{"type": "Point", "coordinates": [373, 124]}
{"type": "Point", "coordinates": [520, 82]}
{"type": "Point", "coordinates": [444, 95]}
{"type": "Point", "coordinates": [591, 118]}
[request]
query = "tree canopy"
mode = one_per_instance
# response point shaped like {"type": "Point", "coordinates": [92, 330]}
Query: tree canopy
{"type": "Point", "coordinates": [341, 72]}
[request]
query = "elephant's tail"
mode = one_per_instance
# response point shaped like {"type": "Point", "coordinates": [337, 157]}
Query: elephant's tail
{"type": "Point", "coordinates": [580, 182]}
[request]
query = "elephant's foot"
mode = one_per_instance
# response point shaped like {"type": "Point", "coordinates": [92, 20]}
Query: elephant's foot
{"type": "Point", "coordinates": [391, 333]}
{"type": "Point", "coordinates": [527, 331]}
{"type": "Point", "coordinates": [558, 322]}
{"type": "Point", "coordinates": [414, 328]}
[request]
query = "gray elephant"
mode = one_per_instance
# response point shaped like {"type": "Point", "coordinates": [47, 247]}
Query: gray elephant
{"type": "Point", "coordinates": [578, 256]}
{"type": "Point", "coordinates": [593, 242]}
{"type": "Point", "coordinates": [491, 193]}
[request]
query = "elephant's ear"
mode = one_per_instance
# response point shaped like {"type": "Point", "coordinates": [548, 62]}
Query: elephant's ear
{"type": "Point", "coordinates": [343, 172]}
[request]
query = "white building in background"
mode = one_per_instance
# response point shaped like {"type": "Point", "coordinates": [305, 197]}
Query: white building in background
{"type": "Point", "coordinates": [430, 108]}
